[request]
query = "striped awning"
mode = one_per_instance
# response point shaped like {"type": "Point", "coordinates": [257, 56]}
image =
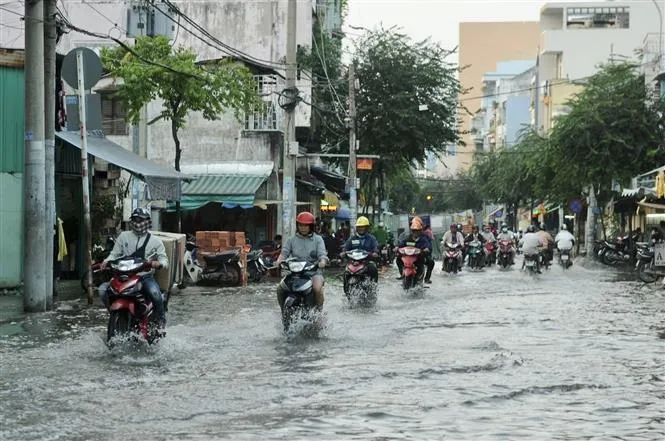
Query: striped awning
{"type": "Point", "coordinates": [224, 185]}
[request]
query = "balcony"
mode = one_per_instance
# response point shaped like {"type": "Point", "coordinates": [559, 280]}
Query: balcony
{"type": "Point", "coordinates": [269, 117]}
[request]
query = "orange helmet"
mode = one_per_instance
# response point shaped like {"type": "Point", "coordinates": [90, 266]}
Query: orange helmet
{"type": "Point", "coordinates": [306, 218]}
{"type": "Point", "coordinates": [416, 223]}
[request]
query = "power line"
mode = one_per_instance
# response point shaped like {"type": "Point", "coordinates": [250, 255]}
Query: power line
{"type": "Point", "coordinates": [104, 16]}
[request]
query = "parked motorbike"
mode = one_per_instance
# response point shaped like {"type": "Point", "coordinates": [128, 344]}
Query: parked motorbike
{"type": "Point", "coordinates": [620, 250]}
{"type": "Point", "coordinates": [99, 275]}
{"type": "Point", "coordinates": [410, 277]}
{"type": "Point", "coordinates": [645, 268]}
{"type": "Point", "coordinates": [358, 287]}
{"type": "Point", "coordinates": [299, 302]}
{"type": "Point", "coordinates": [222, 268]}
{"type": "Point", "coordinates": [475, 253]}
{"type": "Point", "coordinates": [505, 255]}
{"type": "Point", "coordinates": [451, 254]}
{"type": "Point", "coordinates": [490, 253]}
{"type": "Point", "coordinates": [131, 313]}
{"type": "Point", "coordinates": [257, 266]}
{"type": "Point", "coordinates": [565, 259]}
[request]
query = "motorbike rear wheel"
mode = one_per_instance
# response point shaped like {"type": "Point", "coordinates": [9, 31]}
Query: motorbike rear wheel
{"type": "Point", "coordinates": [642, 273]}
{"type": "Point", "coordinates": [120, 323]}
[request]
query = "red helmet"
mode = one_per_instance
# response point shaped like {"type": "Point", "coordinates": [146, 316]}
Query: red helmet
{"type": "Point", "coordinates": [306, 218]}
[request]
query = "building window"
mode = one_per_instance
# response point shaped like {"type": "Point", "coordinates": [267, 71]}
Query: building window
{"type": "Point", "coordinates": [113, 116]}
{"type": "Point", "coordinates": [597, 18]}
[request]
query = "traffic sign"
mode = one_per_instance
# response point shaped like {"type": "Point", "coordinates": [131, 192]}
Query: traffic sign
{"type": "Point", "coordinates": [576, 206]}
{"type": "Point", "coordinates": [92, 68]}
{"type": "Point", "coordinates": [659, 254]}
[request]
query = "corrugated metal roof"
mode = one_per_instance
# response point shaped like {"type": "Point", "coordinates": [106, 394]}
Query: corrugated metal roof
{"type": "Point", "coordinates": [11, 120]}
{"type": "Point", "coordinates": [238, 184]}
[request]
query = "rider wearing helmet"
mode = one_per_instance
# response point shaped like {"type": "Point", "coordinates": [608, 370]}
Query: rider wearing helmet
{"type": "Point", "coordinates": [548, 252]}
{"type": "Point", "coordinates": [532, 242]}
{"type": "Point", "coordinates": [380, 232]}
{"type": "Point", "coordinates": [309, 246]}
{"type": "Point", "coordinates": [508, 235]}
{"type": "Point", "coordinates": [564, 240]}
{"type": "Point", "coordinates": [454, 236]}
{"type": "Point", "coordinates": [363, 240]}
{"type": "Point", "coordinates": [140, 243]}
{"type": "Point", "coordinates": [420, 240]}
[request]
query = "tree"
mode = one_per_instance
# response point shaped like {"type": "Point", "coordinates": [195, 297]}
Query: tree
{"type": "Point", "coordinates": [153, 69]}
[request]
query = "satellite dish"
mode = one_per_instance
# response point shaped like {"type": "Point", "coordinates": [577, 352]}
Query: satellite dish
{"type": "Point", "coordinates": [92, 68]}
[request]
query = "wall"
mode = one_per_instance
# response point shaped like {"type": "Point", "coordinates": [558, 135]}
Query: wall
{"type": "Point", "coordinates": [481, 46]}
{"type": "Point", "coordinates": [11, 173]}
{"type": "Point", "coordinates": [517, 116]}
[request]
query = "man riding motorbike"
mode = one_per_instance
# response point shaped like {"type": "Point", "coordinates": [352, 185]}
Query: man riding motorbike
{"type": "Point", "coordinates": [140, 243]}
{"type": "Point", "coordinates": [419, 240]}
{"type": "Point", "coordinates": [454, 236]}
{"type": "Point", "coordinates": [508, 235]}
{"type": "Point", "coordinates": [309, 246]}
{"type": "Point", "coordinates": [532, 242]}
{"type": "Point", "coordinates": [381, 234]}
{"type": "Point", "coordinates": [487, 234]}
{"type": "Point", "coordinates": [365, 241]}
{"type": "Point", "coordinates": [564, 240]}
{"type": "Point", "coordinates": [548, 252]}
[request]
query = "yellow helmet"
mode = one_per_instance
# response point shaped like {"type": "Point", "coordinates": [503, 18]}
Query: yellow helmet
{"type": "Point", "coordinates": [362, 222]}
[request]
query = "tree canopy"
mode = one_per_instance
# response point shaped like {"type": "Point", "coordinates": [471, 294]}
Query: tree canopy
{"type": "Point", "coordinates": [153, 69]}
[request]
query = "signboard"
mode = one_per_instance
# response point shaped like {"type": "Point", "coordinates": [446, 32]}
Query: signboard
{"type": "Point", "coordinates": [364, 163]}
{"type": "Point", "coordinates": [659, 254]}
{"type": "Point", "coordinates": [575, 206]}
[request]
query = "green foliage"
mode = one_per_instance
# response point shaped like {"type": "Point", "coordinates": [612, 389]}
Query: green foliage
{"type": "Point", "coordinates": [611, 133]}
{"type": "Point", "coordinates": [403, 190]}
{"type": "Point", "coordinates": [182, 84]}
{"type": "Point", "coordinates": [396, 76]}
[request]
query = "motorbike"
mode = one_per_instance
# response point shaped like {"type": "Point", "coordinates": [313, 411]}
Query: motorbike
{"type": "Point", "coordinates": [299, 302]}
{"type": "Point", "coordinates": [131, 313]}
{"type": "Point", "coordinates": [410, 276]}
{"type": "Point", "coordinates": [387, 254]}
{"type": "Point", "coordinates": [565, 259]}
{"type": "Point", "coordinates": [451, 257]}
{"type": "Point", "coordinates": [645, 268]}
{"type": "Point", "coordinates": [475, 253]}
{"type": "Point", "coordinates": [222, 268]}
{"type": "Point", "coordinates": [532, 263]}
{"type": "Point", "coordinates": [257, 265]}
{"type": "Point", "coordinates": [357, 285]}
{"type": "Point", "coordinates": [618, 251]}
{"type": "Point", "coordinates": [490, 253]}
{"type": "Point", "coordinates": [505, 255]}
{"type": "Point", "coordinates": [99, 275]}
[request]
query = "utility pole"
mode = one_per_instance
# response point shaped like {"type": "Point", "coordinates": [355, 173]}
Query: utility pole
{"type": "Point", "coordinates": [85, 183]}
{"type": "Point", "coordinates": [290, 144]}
{"type": "Point", "coordinates": [49, 118]}
{"type": "Point", "coordinates": [353, 197]}
{"type": "Point", "coordinates": [536, 106]}
{"type": "Point", "coordinates": [34, 279]}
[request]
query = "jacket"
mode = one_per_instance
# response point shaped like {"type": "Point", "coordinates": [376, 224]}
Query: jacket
{"type": "Point", "coordinates": [310, 248]}
{"type": "Point", "coordinates": [365, 242]}
{"type": "Point", "coordinates": [128, 243]}
{"type": "Point", "coordinates": [421, 242]}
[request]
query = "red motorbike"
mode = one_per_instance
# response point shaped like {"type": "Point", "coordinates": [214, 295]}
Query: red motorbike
{"type": "Point", "coordinates": [132, 313]}
{"type": "Point", "coordinates": [505, 254]}
{"type": "Point", "coordinates": [410, 276]}
{"type": "Point", "coordinates": [490, 252]}
{"type": "Point", "coordinates": [451, 256]}
{"type": "Point", "coordinates": [357, 286]}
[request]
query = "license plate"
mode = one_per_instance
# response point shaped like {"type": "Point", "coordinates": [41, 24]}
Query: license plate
{"type": "Point", "coordinates": [564, 257]}
{"type": "Point", "coordinates": [529, 263]}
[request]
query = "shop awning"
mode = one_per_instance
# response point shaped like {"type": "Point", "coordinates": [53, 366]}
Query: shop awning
{"type": "Point", "coordinates": [333, 181]}
{"type": "Point", "coordinates": [232, 184]}
{"type": "Point", "coordinates": [163, 181]}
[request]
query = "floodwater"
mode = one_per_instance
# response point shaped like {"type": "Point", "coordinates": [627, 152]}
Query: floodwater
{"type": "Point", "coordinates": [493, 355]}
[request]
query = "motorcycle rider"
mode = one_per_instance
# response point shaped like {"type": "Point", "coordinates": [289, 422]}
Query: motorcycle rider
{"type": "Point", "coordinates": [532, 242]}
{"type": "Point", "coordinates": [487, 234]}
{"type": "Point", "coordinates": [418, 239]}
{"type": "Point", "coordinates": [140, 243]}
{"type": "Point", "coordinates": [508, 235]}
{"type": "Point", "coordinates": [564, 240]}
{"type": "Point", "coordinates": [363, 240]}
{"type": "Point", "coordinates": [309, 246]}
{"type": "Point", "coordinates": [548, 252]}
{"type": "Point", "coordinates": [454, 236]}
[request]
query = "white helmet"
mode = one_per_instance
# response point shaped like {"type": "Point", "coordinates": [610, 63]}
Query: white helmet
{"type": "Point", "coordinates": [564, 227]}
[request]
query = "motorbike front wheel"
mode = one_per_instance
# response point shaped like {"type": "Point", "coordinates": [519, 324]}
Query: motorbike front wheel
{"type": "Point", "coordinates": [120, 324]}
{"type": "Point", "coordinates": [643, 274]}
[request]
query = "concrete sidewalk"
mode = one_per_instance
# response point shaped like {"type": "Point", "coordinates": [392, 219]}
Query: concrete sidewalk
{"type": "Point", "coordinates": [11, 302]}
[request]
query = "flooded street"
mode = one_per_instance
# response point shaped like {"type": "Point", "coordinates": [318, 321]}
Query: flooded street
{"type": "Point", "coordinates": [491, 355]}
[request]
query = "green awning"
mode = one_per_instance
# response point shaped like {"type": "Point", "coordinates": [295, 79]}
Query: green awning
{"type": "Point", "coordinates": [230, 190]}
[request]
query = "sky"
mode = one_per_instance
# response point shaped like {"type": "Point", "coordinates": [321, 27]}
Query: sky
{"type": "Point", "coordinates": [438, 19]}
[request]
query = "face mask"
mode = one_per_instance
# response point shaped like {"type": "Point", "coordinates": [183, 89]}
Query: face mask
{"type": "Point", "coordinates": [140, 227]}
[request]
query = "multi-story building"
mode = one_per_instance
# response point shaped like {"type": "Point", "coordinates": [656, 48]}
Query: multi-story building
{"type": "Point", "coordinates": [577, 37]}
{"type": "Point", "coordinates": [481, 47]}
{"type": "Point", "coordinates": [505, 105]}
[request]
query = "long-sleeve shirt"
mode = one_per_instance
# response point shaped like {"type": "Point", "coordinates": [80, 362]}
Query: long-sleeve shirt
{"type": "Point", "coordinates": [421, 242]}
{"type": "Point", "coordinates": [564, 240]}
{"type": "Point", "coordinates": [449, 238]}
{"type": "Point", "coordinates": [365, 242]}
{"type": "Point", "coordinates": [531, 242]}
{"type": "Point", "coordinates": [128, 242]}
{"type": "Point", "coordinates": [310, 248]}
